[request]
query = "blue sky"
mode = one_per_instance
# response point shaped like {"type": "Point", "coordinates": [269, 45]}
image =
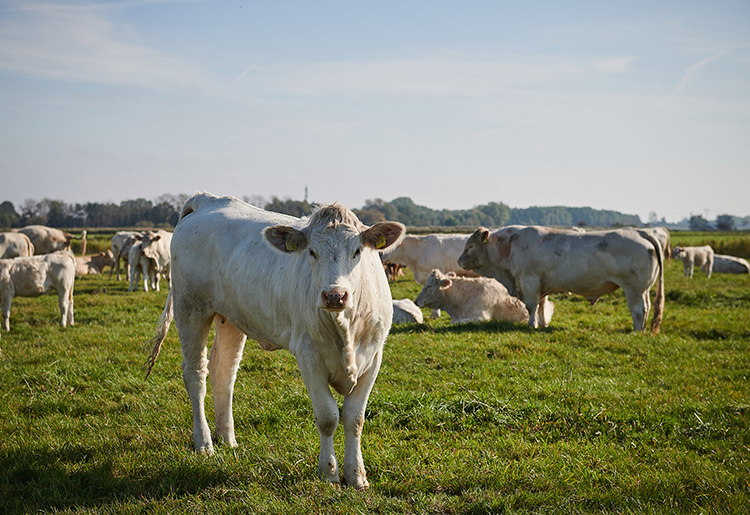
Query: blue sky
{"type": "Point", "coordinates": [641, 106]}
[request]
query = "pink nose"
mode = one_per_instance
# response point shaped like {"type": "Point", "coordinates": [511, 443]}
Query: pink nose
{"type": "Point", "coordinates": [335, 299]}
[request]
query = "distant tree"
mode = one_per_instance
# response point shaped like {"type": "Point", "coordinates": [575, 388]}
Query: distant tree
{"type": "Point", "coordinates": [725, 223]}
{"type": "Point", "coordinates": [8, 216]}
{"type": "Point", "coordinates": [698, 223]}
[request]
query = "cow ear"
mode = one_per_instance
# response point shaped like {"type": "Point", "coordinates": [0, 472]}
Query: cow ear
{"type": "Point", "coordinates": [445, 284]}
{"type": "Point", "coordinates": [156, 237]}
{"type": "Point", "coordinates": [383, 235]}
{"type": "Point", "coordinates": [284, 238]}
{"type": "Point", "coordinates": [485, 235]}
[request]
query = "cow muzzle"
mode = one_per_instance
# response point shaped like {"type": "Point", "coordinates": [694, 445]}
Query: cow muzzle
{"type": "Point", "coordinates": [334, 300]}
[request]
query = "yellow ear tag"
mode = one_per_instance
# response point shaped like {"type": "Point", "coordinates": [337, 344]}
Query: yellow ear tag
{"type": "Point", "coordinates": [291, 246]}
{"type": "Point", "coordinates": [381, 242]}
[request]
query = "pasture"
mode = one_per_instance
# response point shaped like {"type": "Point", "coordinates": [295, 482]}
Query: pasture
{"type": "Point", "coordinates": [582, 417]}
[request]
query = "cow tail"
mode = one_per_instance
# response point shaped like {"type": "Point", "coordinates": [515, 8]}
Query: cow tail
{"type": "Point", "coordinates": [659, 298]}
{"type": "Point", "coordinates": [155, 343]}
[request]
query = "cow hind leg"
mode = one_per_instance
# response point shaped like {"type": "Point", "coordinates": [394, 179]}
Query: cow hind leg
{"type": "Point", "coordinates": [6, 302]}
{"type": "Point", "coordinates": [65, 303]}
{"type": "Point", "coordinates": [193, 328]}
{"type": "Point", "coordinates": [223, 362]}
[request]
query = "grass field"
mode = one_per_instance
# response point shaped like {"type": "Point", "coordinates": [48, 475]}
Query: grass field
{"type": "Point", "coordinates": [582, 417]}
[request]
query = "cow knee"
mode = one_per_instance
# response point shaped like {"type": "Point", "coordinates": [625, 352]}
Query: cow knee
{"type": "Point", "coordinates": [327, 423]}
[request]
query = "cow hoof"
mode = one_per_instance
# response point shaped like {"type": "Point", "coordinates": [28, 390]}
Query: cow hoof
{"type": "Point", "coordinates": [360, 483]}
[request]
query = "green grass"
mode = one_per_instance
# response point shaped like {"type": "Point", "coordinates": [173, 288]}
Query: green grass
{"type": "Point", "coordinates": [582, 417]}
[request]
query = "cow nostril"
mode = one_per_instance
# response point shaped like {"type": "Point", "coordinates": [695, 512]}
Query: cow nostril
{"type": "Point", "coordinates": [335, 298]}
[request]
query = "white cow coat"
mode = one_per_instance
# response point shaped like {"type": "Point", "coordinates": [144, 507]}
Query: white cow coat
{"type": "Point", "coordinates": [691, 256]}
{"type": "Point", "coordinates": [15, 244]}
{"type": "Point", "coordinates": [36, 275]}
{"type": "Point", "coordinates": [315, 287]}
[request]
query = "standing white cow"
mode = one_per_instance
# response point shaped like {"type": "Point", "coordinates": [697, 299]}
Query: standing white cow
{"type": "Point", "coordinates": [47, 239]}
{"type": "Point", "coordinates": [121, 243]}
{"type": "Point", "coordinates": [155, 246]}
{"type": "Point", "coordinates": [425, 253]}
{"type": "Point", "coordinates": [691, 256]}
{"type": "Point", "coordinates": [15, 244]}
{"type": "Point", "coordinates": [313, 286]}
{"type": "Point", "coordinates": [533, 262]}
{"type": "Point", "coordinates": [141, 265]}
{"type": "Point", "coordinates": [35, 275]}
{"type": "Point", "coordinates": [468, 299]}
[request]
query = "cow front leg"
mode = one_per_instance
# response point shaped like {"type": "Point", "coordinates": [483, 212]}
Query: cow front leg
{"type": "Point", "coordinates": [325, 410]}
{"type": "Point", "coordinates": [541, 312]}
{"type": "Point", "coordinates": [7, 298]}
{"type": "Point", "coordinates": [193, 331]}
{"type": "Point", "coordinates": [639, 305]}
{"type": "Point", "coordinates": [353, 413]}
{"type": "Point", "coordinates": [223, 362]}
{"type": "Point", "coordinates": [530, 294]}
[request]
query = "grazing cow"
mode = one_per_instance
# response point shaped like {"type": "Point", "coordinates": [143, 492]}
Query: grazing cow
{"type": "Point", "coordinates": [94, 264]}
{"type": "Point", "coordinates": [15, 244]}
{"type": "Point", "coordinates": [35, 275]}
{"type": "Point", "coordinates": [141, 265]}
{"type": "Point", "coordinates": [691, 256]}
{"type": "Point", "coordinates": [121, 243]}
{"type": "Point", "coordinates": [314, 286]}
{"type": "Point", "coordinates": [155, 246]}
{"type": "Point", "coordinates": [406, 312]}
{"type": "Point", "coordinates": [724, 264]}
{"type": "Point", "coordinates": [468, 299]}
{"type": "Point", "coordinates": [47, 239]}
{"type": "Point", "coordinates": [533, 262]}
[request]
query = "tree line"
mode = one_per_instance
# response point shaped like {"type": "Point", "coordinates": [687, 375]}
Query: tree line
{"type": "Point", "coordinates": [164, 212]}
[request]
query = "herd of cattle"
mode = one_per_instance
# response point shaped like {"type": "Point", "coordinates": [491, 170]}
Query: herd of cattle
{"type": "Point", "coordinates": [233, 266]}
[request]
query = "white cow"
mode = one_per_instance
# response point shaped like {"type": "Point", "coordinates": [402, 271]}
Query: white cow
{"type": "Point", "coordinates": [121, 243]}
{"type": "Point", "coordinates": [406, 312]}
{"type": "Point", "coordinates": [47, 239]}
{"type": "Point", "coordinates": [155, 246]}
{"type": "Point", "coordinates": [313, 286]}
{"type": "Point", "coordinates": [15, 244]}
{"type": "Point", "coordinates": [35, 275]}
{"type": "Point", "coordinates": [533, 262]}
{"type": "Point", "coordinates": [724, 264]}
{"type": "Point", "coordinates": [691, 256]}
{"type": "Point", "coordinates": [94, 264]}
{"type": "Point", "coordinates": [660, 234]}
{"type": "Point", "coordinates": [423, 254]}
{"type": "Point", "coordinates": [468, 299]}
{"type": "Point", "coordinates": [141, 265]}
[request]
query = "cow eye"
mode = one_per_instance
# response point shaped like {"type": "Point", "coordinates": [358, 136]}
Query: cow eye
{"type": "Point", "coordinates": [357, 252]}
{"type": "Point", "coordinates": [313, 254]}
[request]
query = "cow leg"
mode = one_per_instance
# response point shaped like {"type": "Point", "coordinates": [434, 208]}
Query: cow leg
{"type": "Point", "coordinates": [353, 413]}
{"type": "Point", "coordinates": [71, 307]}
{"type": "Point", "coordinates": [639, 304]}
{"type": "Point", "coordinates": [63, 303]}
{"type": "Point", "coordinates": [541, 312]}
{"type": "Point", "coordinates": [325, 409]}
{"type": "Point", "coordinates": [530, 294]}
{"type": "Point", "coordinates": [690, 270]}
{"type": "Point", "coordinates": [7, 298]}
{"type": "Point", "coordinates": [193, 327]}
{"type": "Point", "coordinates": [223, 362]}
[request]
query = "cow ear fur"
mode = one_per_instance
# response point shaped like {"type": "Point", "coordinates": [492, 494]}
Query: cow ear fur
{"type": "Point", "coordinates": [383, 235]}
{"type": "Point", "coordinates": [286, 239]}
{"type": "Point", "coordinates": [445, 283]}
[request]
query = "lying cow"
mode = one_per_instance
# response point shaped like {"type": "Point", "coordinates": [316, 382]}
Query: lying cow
{"type": "Point", "coordinates": [155, 246]}
{"type": "Point", "coordinates": [533, 262]}
{"type": "Point", "coordinates": [33, 276]}
{"type": "Point", "coordinates": [314, 286]}
{"type": "Point", "coordinates": [15, 244]}
{"type": "Point", "coordinates": [406, 312]}
{"type": "Point", "coordinates": [94, 264]}
{"type": "Point", "coordinates": [121, 243]}
{"type": "Point", "coordinates": [141, 266]}
{"type": "Point", "coordinates": [468, 299]}
{"type": "Point", "coordinates": [724, 264]}
{"type": "Point", "coordinates": [691, 256]}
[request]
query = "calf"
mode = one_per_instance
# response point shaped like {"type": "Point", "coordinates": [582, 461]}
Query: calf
{"type": "Point", "coordinates": [691, 256]}
{"type": "Point", "coordinates": [141, 265]}
{"type": "Point", "coordinates": [94, 264]}
{"type": "Point", "coordinates": [121, 243]}
{"type": "Point", "coordinates": [33, 276]}
{"type": "Point", "coordinates": [468, 299]}
{"type": "Point", "coordinates": [155, 246]}
{"type": "Point", "coordinates": [314, 286]}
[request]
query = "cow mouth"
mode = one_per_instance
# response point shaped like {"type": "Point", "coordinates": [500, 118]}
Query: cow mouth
{"type": "Point", "coordinates": [334, 300]}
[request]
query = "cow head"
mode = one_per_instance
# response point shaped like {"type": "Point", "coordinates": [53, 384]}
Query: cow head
{"type": "Point", "coordinates": [339, 249]}
{"type": "Point", "coordinates": [474, 255]}
{"type": "Point", "coordinates": [148, 248]}
{"type": "Point", "coordinates": [434, 287]}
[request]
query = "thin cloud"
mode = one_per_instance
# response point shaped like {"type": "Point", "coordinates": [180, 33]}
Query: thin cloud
{"type": "Point", "coordinates": [692, 71]}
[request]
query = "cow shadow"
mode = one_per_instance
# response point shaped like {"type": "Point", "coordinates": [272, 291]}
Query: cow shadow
{"type": "Point", "coordinates": [489, 326]}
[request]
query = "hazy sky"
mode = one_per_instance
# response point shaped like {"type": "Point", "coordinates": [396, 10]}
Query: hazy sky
{"type": "Point", "coordinates": [638, 106]}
